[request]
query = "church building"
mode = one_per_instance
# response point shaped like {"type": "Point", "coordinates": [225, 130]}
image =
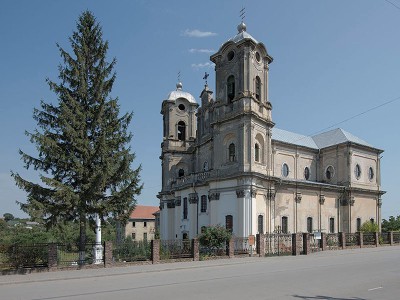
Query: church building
{"type": "Point", "coordinates": [225, 163]}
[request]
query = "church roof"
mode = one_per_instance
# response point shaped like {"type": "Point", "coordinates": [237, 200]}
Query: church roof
{"type": "Point", "coordinates": [337, 136]}
{"type": "Point", "coordinates": [293, 138]}
{"type": "Point", "coordinates": [178, 93]}
{"type": "Point", "coordinates": [242, 35]}
{"type": "Point", "coordinates": [319, 141]}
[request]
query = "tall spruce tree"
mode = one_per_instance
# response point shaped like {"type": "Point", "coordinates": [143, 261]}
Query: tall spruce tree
{"type": "Point", "coordinates": [84, 157]}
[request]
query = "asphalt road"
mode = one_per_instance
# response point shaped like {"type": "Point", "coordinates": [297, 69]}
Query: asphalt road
{"type": "Point", "coordinates": [372, 273]}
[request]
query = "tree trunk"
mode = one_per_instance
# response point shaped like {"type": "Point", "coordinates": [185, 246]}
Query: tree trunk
{"type": "Point", "coordinates": [82, 239]}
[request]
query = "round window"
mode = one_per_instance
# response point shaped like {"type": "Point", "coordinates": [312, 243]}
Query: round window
{"type": "Point", "coordinates": [330, 172]}
{"type": "Point", "coordinates": [181, 107]}
{"type": "Point", "coordinates": [307, 173]}
{"type": "Point", "coordinates": [285, 170]}
{"type": "Point", "coordinates": [231, 55]}
{"type": "Point", "coordinates": [357, 171]}
{"type": "Point", "coordinates": [370, 173]}
{"type": "Point", "coordinates": [258, 57]}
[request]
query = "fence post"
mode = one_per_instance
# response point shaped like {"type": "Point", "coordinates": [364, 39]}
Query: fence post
{"type": "Point", "coordinates": [231, 248]}
{"type": "Point", "coordinates": [261, 244]}
{"type": "Point", "coordinates": [295, 250]}
{"type": "Point", "coordinates": [306, 243]}
{"type": "Point", "coordinates": [155, 251]}
{"type": "Point", "coordinates": [52, 256]}
{"type": "Point", "coordinates": [391, 238]}
{"type": "Point", "coordinates": [195, 250]}
{"type": "Point", "coordinates": [376, 239]}
{"type": "Point", "coordinates": [361, 238]}
{"type": "Point", "coordinates": [342, 239]}
{"type": "Point", "coordinates": [323, 241]}
{"type": "Point", "coordinates": [108, 255]}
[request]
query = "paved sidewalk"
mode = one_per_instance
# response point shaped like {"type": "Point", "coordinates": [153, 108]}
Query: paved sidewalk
{"type": "Point", "coordinates": [162, 267]}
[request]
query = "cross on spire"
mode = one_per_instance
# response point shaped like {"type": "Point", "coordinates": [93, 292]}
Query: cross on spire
{"type": "Point", "coordinates": [179, 76]}
{"type": "Point", "coordinates": [243, 13]}
{"type": "Point", "coordinates": [206, 76]}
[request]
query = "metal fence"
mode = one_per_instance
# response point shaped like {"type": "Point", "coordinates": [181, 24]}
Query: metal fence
{"type": "Point", "coordinates": [205, 251]}
{"type": "Point", "coordinates": [369, 239]}
{"type": "Point", "coordinates": [277, 244]}
{"type": "Point", "coordinates": [130, 251]}
{"type": "Point", "coordinates": [175, 249]}
{"type": "Point", "coordinates": [332, 241]}
{"type": "Point", "coordinates": [241, 246]}
{"type": "Point", "coordinates": [384, 238]}
{"type": "Point", "coordinates": [352, 239]}
{"type": "Point", "coordinates": [69, 254]}
{"type": "Point", "coordinates": [23, 256]}
{"type": "Point", "coordinates": [315, 244]}
{"type": "Point", "coordinates": [396, 237]}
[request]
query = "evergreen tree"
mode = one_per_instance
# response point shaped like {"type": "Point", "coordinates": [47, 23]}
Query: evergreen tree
{"type": "Point", "coordinates": [82, 142]}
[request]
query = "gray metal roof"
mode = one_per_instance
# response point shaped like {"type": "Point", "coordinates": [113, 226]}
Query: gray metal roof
{"type": "Point", "coordinates": [293, 138]}
{"type": "Point", "coordinates": [335, 137]}
{"type": "Point", "coordinates": [178, 93]}
{"type": "Point", "coordinates": [319, 141]}
{"type": "Point", "coordinates": [241, 36]}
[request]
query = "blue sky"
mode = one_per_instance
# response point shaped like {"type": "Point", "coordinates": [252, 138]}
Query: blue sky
{"type": "Point", "coordinates": [333, 59]}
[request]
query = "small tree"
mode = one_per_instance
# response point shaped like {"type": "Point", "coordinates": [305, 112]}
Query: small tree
{"type": "Point", "coordinates": [214, 237]}
{"type": "Point", "coordinates": [82, 142]}
{"type": "Point", "coordinates": [368, 226]}
{"type": "Point", "coordinates": [8, 217]}
{"type": "Point", "coordinates": [393, 224]}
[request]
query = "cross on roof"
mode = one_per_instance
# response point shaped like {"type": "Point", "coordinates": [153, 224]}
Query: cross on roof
{"type": "Point", "coordinates": [243, 13]}
{"type": "Point", "coordinates": [206, 76]}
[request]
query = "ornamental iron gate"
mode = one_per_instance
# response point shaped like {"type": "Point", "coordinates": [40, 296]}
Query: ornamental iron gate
{"type": "Point", "coordinates": [277, 244]}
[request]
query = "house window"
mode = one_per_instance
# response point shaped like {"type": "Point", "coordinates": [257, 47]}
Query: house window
{"type": "Point", "coordinates": [358, 224]}
{"type": "Point", "coordinates": [232, 152]}
{"type": "Point", "coordinates": [306, 173]}
{"type": "Point", "coordinates": [133, 236]}
{"type": "Point", "coordinates": [257, 152]}
{"type": "Point", "coordinates": [144, 224]}
{"type": "Point", "coordinates": [260, 224]}
{"type": "Point", "coordinates": [203, 204]}
{"type": "Point", "coordinates": [284, 226]}
{"type": "Point", "coordinates": [181, 131]}
{"type": "Point", "coordinates": [185, 208]}
{"type": "Point", "coordinates": [133, 224]}
{"type": "Point", "coordinates": [229, 223]}
{"type": "Point", "coordinates": [258, 88]}
{"type": "Point", "coordinates": [145, 236]}
{"type": "Point", "coordinates": [330, 172]}
{"type": "Point", "coordinates": [370, 173]}
{"type": "Point", "coordinates": [357, 171]}
{"type": "Point", "coordinates": [331, 225]}
{"type": "Point", "coordinates": [309, 225]}
{"type": "Point", "coordinates": [231, 88]}
{"type": "Point", "coordinates": [285, 170]}
{"type": "Point", "coordinates": [181, 173]}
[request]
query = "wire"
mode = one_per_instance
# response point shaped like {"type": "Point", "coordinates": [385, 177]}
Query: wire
{"type": "Point", "coordinates": [357, 115]}
{"type": "Point", "coordinates": [398, 7]}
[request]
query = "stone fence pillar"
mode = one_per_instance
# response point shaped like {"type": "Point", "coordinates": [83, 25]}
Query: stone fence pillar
{"type": "Point", "coordinates": [361, 238]}
{"type": "Point", "coordinates": [52, 256]}
{"type": "Point", "coordinates": [376, 239]}
{"type": "Point", "coordinates": [342, 240]}
{"type": "Point", "coordinates": [260, 240]}
{"type": "Point", "coordinates": [295, 248]}
{"type": "Point", "coordinates": [155, 251]}
{"type": "Point", "coordinates": [195, 250]}
{"type": "Point", "coordinates": [391, 238]}
{"type": "Point", "coordinates": [231, 248]}
{"type": "Point", "coordinates": [323, 241]}
{"type": "Point", "coordinates": [108, 255]}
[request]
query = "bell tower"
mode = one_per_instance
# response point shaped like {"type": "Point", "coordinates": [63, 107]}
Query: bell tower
{"type": "Point", "coordinates": [242, 107]}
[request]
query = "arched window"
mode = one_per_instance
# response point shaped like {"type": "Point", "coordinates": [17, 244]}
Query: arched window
{"type": "Point", "coordinates": [231, 88]}
{"type": "Point", "coordinates": [309, 225]}
{"type": "Point", "coordinates": [258, 88]}
{"type": "Point", "coordinates": [181, 131]}
{"type": "Point", "coordinates": [260, 224]}
{"type": "Point", "coordinates": [203, 204]}
{"type": "Point", "coordinates": [229, 223]}
{"type": "Point", "coordinates": [257, 153]}
{"type": "Point", "coordinates": [181, 173]}
{"type": "Point", "coordinates": [232, 152]}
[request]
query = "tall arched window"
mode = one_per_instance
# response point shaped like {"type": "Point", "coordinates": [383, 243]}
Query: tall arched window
{"type": "Point", "coordinates": [181, 131]}
{"type": "Point", "coordinates": [231, 88]}
{"type": "Point", "coordinates": [258, 88]}
{"type": "Point", "coordinates": [257, 153]}
{"type": "Point", "coordinates": [232, 152]}
{"type": "Point", "coordinates": [203, 204]}
{"type": "Point", "coordinates": [309, 225]}
{"type": "Point", "coordinates": [229, 223]}
{"type": "Point", "coordinates": [260, 224]}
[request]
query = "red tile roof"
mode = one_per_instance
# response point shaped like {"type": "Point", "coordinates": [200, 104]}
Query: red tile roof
{"type": "Point", "coordinates": [144, 212]}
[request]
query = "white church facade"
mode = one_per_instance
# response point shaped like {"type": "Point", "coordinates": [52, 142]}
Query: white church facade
{"type": "Point", "coordinates": [224, 161]}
